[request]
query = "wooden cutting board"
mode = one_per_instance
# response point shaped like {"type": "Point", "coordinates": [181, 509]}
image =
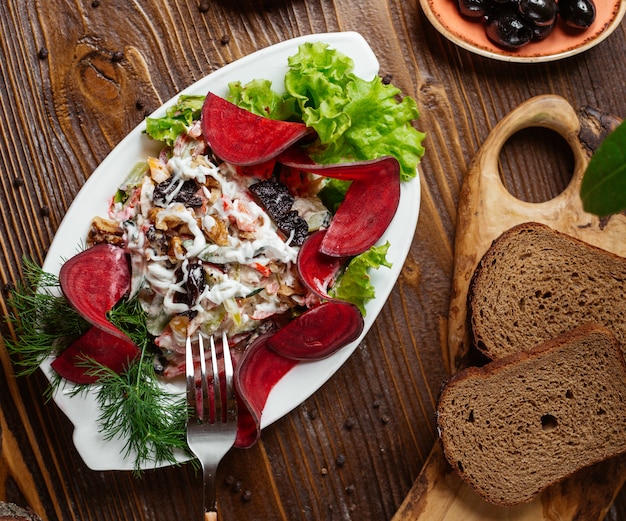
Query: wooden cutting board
{"type": "Point", "coordinates": [486, 209]}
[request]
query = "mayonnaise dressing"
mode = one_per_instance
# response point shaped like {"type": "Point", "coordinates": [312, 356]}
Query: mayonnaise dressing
{"type": "Point", "coordinates": [168, 239]}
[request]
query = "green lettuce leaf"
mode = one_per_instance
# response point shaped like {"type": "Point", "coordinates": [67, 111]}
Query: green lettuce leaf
{"type": "Point", "coordinates": [258, 97]}
{"type": "Point", "coordinates": [333, 192]}
{"type": "Point", "coordinates": [177, 120]}
{"type": "Point", "coordinates": [603, 188]}
{"type": "Point", "coordinates": [355, 285]}
{"type": "Point", "coordinates": [355, 119]}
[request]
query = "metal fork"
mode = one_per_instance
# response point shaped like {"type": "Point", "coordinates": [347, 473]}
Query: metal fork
{"type": "Point", "coordinates": [212, 420]}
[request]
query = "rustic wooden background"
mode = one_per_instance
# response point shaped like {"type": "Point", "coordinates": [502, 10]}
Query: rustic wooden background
{"type": "Point", "coordinates": [77, 75]}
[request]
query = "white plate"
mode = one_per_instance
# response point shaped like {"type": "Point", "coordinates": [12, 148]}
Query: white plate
{"type": "Point", "coordinates": [302, 381]}
{"type": "Point", "coordinates": [561, 43]}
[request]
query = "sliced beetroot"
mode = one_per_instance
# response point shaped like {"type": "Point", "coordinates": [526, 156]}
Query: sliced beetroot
{"type": "Point", "coordinates": [258, 371]}
{"type": "Point", "coordinates": [296, 157]}
{"type": "Point", "coordinates": [94, 280]}
{"type": "Point", "coordinates": [364, 214]}
{"type": "Point", "coordinates": [263, 170]}
{"type": "Point", "coordinates": [368, 170]}
{"type": "Point", "coordinates": [368, 207]}
{"type": "Point", "coordinates": [318, 332]}
{"type": "Point", "coordinates": [242, 138]}
{"type": "Point", "coordinates": [316, 269]}
{"type": "Point", "coordinates": [109, 350]}
{"type": "Point", "coordinates": [248, 426]}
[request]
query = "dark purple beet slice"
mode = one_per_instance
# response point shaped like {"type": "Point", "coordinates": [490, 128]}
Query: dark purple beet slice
{"type": "Point", "coordinates": [242, 138]}
{"type": "Point", "coordinates": [258, 371]}
{"type": "Point", "coordinates": [318, 332]}
{"type": "Point", "coordinates": [369, 206]}
{"type": "Point", "coordinates": [366, 211]}
{"type": "Point", "coordinates": [368, 170]}
{"type": "Point", "coordinates": [296, 157]}
{"type": "Point", "coordinates": [318, 270]}
{"type": "Point", "coordinates": [112, 351]}
{"type": "Point", "coordinates": [94, 280]}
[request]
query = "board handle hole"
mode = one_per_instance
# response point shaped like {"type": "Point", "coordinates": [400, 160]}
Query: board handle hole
{"type": "Point", "coordinates": [536, 153]}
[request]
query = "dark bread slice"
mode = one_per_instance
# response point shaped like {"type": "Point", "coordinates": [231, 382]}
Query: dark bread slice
{"type": "Point", "coordinates": [523, 422]}
{"type": "Point", "coordinates": [534, 283]}
{"type": "Point", "coordinates": [13, 512]}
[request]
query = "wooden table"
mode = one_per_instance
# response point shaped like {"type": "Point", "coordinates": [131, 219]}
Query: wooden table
{"type": "Point", "coordinates": [78, 76]}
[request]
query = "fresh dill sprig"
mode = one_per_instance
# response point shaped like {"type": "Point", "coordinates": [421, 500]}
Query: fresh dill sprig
{"type": "Point", "coordinates": [129, 316]}
{"type": "Point", "coordinates": [133, 404]}
{"type": "Point", "coordinates": [136, 409]}
{"type": "Point", "coordinates": [43, 320]}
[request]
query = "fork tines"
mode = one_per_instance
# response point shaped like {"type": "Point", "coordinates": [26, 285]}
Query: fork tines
{"type": "Point", "coordinates": [212, 421]}
{"type": "Point", "coordinates": [224, 401]}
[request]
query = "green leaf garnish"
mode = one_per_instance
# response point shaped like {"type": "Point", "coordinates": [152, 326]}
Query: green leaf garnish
{"type": "Point", "coordinates": [603, 188]}
{"type": "Point", "coordinates": [136, 409]}
{"type": "Point", "coordinates": [177, 119]}
{"type": "Point", "coordinates": [134, 406]}
{"type": "Point", "coordinates": [354, 119]}
{"type": "Point", "coordinates": [258, 97]}
{"type": "Point", "coordinates": [43, 320]}
{"type": "Point", "coordinates": [354, 285]}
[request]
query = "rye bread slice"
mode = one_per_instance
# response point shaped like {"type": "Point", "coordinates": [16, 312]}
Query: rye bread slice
{"type": "Point", "coordinates": [13, 512]}
{"type": "Point", "coordinates": [523, 422]}
{"type": "Point", "coordinates": [534, 283]}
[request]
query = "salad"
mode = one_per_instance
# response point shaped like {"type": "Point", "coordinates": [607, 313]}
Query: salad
{"type": "Point", "coordinates": [204, 238]}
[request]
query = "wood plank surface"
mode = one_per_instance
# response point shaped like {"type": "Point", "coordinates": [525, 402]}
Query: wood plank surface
{"type": "Point", "coordinates": [77, 76]}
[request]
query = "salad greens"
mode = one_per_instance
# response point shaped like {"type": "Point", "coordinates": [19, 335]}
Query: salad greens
{"type": "Point", "coordinates": [354, 119]}
{"type": "Point", "coordinates": [354, 284]}
{"type": "Point", "coordinates": [603, 188]}
{"type": "Point", "coordinates": [258, 97]}
{"type": "Point", "coordinates": [177, 119]}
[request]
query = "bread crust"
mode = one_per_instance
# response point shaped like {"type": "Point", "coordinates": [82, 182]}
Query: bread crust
{"type": "Point", "coordinates": [486, 468]}
{"type": "Point", "coordinates": [13, 512]}
{"type": "Point", "coordinates": [535, 283]}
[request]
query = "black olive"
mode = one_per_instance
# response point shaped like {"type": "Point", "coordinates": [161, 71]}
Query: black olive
{"type": "Point", "coordinates": [541, 32]}
{"type": "Point", "coordinates": [539, 12]}
{"type": "Point", "coordinates": [579, 14]}
{"type": "Point", "coordinates": [472, 8]}
{"type": "Point", "coordinates": [508, 29]}
{"type": "Point", "coordinates": [494, 6]}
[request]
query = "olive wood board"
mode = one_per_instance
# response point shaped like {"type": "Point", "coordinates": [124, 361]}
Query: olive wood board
{"type": "Point", "coordinates": [487, 209]}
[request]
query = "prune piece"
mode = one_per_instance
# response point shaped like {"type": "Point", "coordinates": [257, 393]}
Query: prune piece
{"type": "Point", "coordinates": [539, 12]}
{"type": "Point", "coordinates": [194, 283]}
{"type": "Point", "coordinates": [579, 14]}
{"type": "Point", "coordinates": [473, 8]}
{"type": "Point", "coordinates": [292, 222]}
{"type": "Point", "coordinates": [508, 29]}
{"type": "Point", "coordinates": [277, 201]}
{"type": "Point", "coordinates": [273, 196]}
{"type": "Point", "coordinates": [173, 191]}
{"type": "Point", "coordinates": [158, 240]}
